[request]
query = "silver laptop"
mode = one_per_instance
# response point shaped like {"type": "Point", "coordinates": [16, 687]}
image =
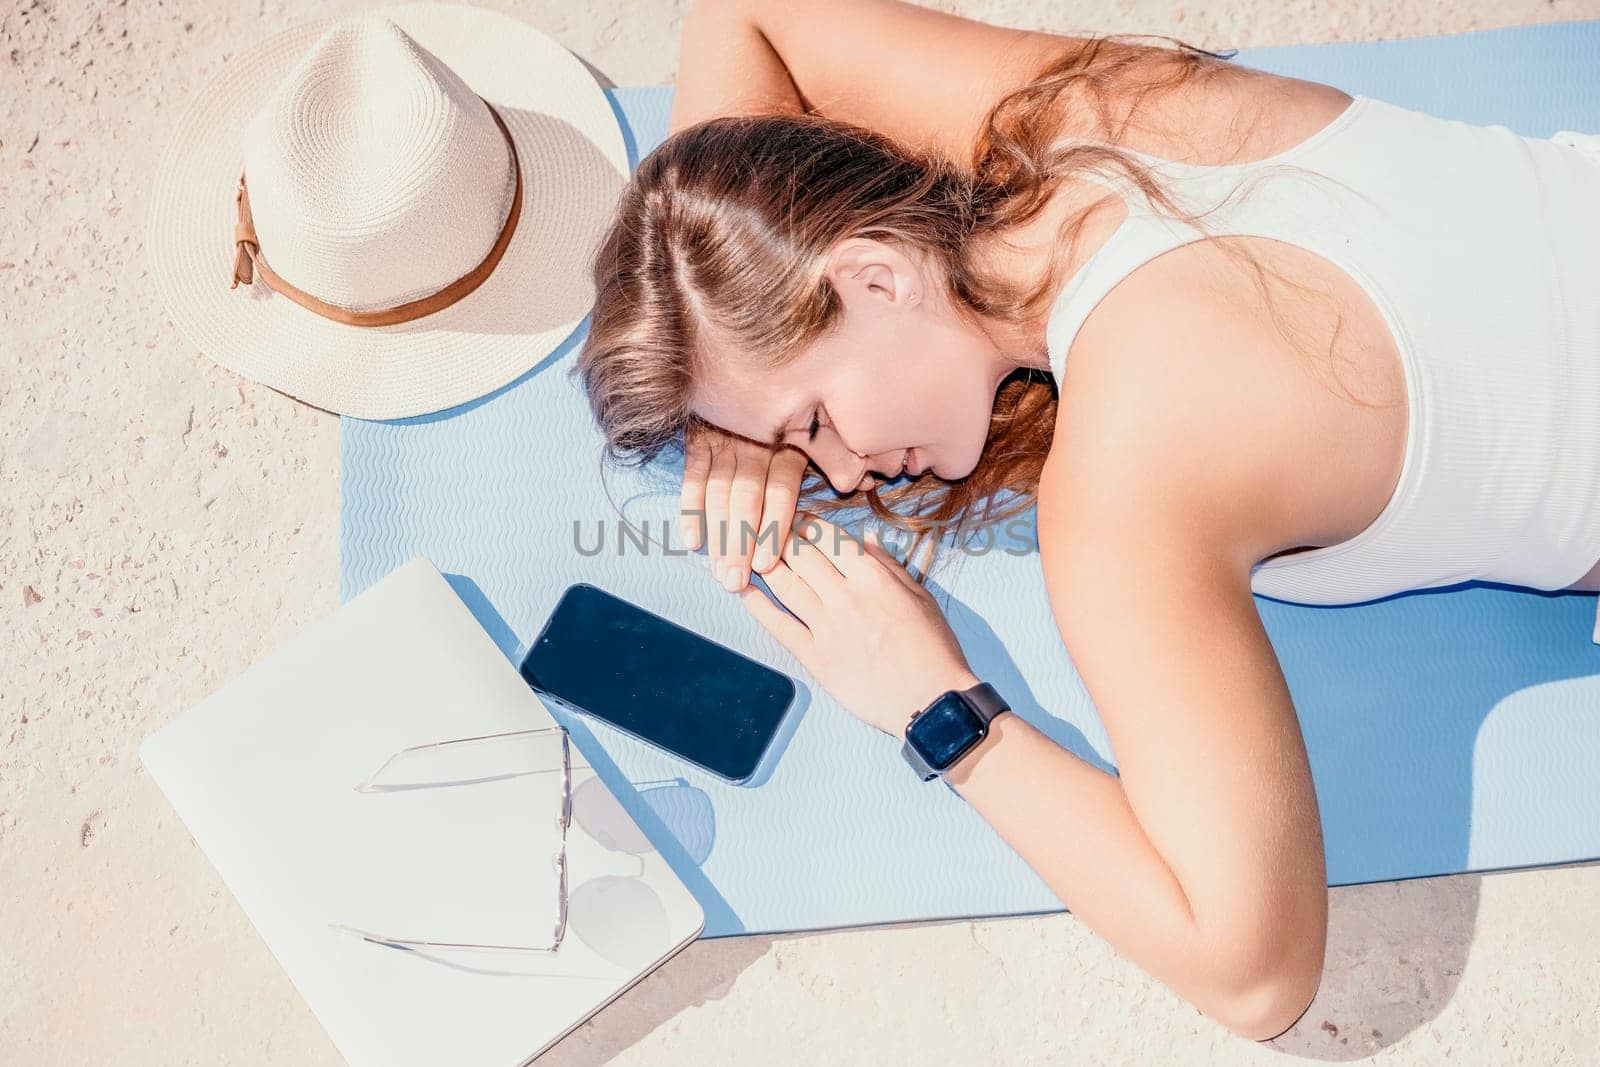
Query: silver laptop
{"type": "Point", "coordinates": [455, 876]}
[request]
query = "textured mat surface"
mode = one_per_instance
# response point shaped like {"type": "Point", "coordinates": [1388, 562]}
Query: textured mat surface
{"type": "Point", "coordinates": [1448, 731]}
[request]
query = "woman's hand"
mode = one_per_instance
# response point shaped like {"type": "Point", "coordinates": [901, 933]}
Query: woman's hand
{"type": "Point", "coordinates": [866, 630]}
{"type": "Point", "coordinates": [729, 483]}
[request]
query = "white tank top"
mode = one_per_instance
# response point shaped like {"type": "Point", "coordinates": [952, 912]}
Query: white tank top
{"type": "Point", "coordinates": [1481, 249]}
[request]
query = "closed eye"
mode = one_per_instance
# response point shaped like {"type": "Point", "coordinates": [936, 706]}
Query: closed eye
{"type": "Point", "coordinates": [811, 434]}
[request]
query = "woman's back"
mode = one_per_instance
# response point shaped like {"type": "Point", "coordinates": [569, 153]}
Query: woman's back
{"type": "Point", "coordinates": [1465, 257]}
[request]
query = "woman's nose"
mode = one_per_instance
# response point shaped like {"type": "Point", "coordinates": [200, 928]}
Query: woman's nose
{"type": "Point", "coordinates": [842, 468]}
{"type": "Point", "coordinates": [842, 480]}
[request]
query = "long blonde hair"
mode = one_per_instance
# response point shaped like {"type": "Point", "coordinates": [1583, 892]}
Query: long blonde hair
{"type": "Point", "coordinates": [728, 224]}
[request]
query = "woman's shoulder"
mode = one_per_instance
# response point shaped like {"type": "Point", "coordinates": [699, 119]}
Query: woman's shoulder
{"type": "Point", "coordinates": [1183, 402]}
{"type": "Point", "coordinates": [1236, 115]}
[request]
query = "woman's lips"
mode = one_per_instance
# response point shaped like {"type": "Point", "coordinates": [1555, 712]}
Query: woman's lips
{"type": "Point", "coordinates": [906, 467]}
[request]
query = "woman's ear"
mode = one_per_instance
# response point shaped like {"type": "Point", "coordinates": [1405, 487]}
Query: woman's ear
{"type": "Point", "coordinates": [863, 267]}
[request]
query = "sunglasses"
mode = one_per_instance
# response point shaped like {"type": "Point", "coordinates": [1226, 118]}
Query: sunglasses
{"type": "Point", "coordinates": [491, 746]}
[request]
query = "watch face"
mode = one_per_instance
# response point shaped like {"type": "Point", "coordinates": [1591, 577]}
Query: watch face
{"type": "Point", "coordinates": [944, 731]}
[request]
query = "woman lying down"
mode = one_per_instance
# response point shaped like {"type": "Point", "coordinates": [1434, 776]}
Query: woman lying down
{"type": "Point", "coordinates": [1184, 307]}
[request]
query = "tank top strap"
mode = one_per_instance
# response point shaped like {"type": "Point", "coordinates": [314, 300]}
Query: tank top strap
{"type": "Point", "coordinates": [1147, 232]}
{"type": "Point", "coordinates": [1140, 237]}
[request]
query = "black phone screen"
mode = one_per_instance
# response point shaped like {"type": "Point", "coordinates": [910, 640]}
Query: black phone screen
{"type": "Point", "coordinates": [662, 683]}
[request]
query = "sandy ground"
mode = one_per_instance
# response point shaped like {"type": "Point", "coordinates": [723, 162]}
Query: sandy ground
{"type": "Point", "coordinates": [163, 525]}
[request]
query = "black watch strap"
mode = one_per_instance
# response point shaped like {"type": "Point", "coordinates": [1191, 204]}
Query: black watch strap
{"type": "Point", "coordinates": [987, 699]}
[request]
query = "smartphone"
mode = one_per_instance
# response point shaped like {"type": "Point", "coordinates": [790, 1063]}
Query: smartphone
{"type": "Point", "coordinates": [666, 685]}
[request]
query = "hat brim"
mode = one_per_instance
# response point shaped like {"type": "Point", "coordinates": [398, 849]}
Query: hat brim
{"type": "Point", "coordinates": [574, 163]}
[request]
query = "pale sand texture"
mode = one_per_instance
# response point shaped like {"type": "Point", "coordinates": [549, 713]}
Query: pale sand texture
{"type": "Point", "coordinates": [163, 525]}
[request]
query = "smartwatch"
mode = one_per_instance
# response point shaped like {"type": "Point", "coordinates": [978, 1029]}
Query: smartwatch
{"type": "Point", "coordinates": [950, 727]}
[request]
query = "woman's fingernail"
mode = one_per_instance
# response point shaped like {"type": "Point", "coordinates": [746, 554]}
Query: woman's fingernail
{"type": "Point", "coordinates": [733, 579]}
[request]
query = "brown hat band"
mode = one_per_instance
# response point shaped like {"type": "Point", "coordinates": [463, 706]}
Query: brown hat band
{"type": "Point", "coordinates": [248, 260]}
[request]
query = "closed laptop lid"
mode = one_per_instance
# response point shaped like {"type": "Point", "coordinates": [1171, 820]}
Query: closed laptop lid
{"type": "Point", "coordinates": [263, 773]}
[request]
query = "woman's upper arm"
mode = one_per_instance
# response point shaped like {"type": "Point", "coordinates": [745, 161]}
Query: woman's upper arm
{"type": "Point", "coordinates": [921, 77]}
{"type": "Point", "coordinates": [1149, 582]}
{"type": "Point", "coordinates": [1171, 650]}
{"type": "Point", "coordinates": [726, 66]}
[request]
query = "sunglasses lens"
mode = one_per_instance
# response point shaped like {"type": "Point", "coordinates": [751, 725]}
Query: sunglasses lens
{"type": "Point", "coordinates": [685, 811]}
{"type": "Point", "coordinates": [597, 810]}
{"type": "Point", "coordinates": [619, 918]}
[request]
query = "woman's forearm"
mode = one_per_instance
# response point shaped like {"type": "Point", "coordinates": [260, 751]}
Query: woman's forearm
{"type": "Point", "coordinates": [727, 67]}
{"type": "Point", "coordinates": [1073, 825]}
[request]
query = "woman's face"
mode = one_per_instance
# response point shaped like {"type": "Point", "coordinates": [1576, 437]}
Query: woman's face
{"type": "Point", "coordinates": [903, 383]}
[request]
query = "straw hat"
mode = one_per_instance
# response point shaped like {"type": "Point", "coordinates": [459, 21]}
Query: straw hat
{"type": "Point", "coordinates": [407, 200]}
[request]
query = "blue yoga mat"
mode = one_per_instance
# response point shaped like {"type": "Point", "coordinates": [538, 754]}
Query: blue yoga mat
{"type": "Point", "coordinates": [1448, 731]}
